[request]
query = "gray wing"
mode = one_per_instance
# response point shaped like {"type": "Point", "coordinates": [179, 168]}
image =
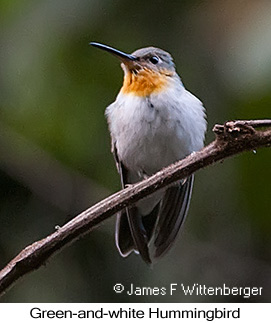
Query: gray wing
{"type": "Point", "coordinates": [131, 234]}
{"type": "Point", "coordinates": [161, 226]}
{"type": "Point", "coordinates": [172, 213]}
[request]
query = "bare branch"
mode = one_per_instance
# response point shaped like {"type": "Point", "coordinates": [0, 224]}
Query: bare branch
{"type": "Point", "coordinates": [231, 138]}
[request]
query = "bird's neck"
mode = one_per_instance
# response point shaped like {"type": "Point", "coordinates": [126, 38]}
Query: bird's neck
{"type": "Point", "coordinates": [145, 82]}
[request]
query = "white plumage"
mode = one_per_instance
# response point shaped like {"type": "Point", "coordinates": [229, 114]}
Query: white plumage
{"type": "Point", "coordinates": [153, 123]}
{"type": "Point", "coordinates": [153, 132]}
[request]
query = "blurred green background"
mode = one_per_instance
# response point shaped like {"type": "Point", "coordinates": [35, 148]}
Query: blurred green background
{"type": "Point", "coordinates": [55, 157]}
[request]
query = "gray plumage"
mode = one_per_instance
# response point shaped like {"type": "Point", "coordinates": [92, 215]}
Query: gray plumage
{"type": "Point", "coordinates": [150, 132]}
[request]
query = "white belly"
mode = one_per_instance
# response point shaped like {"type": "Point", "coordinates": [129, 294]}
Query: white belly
{"type": "Point", "coordinates": [151, 133]}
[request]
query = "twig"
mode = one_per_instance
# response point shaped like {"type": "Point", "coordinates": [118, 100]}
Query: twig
{"type": "Point", "coordinates": [231, 138]}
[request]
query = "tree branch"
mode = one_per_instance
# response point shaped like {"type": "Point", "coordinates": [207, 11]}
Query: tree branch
{"type": "Point", "coordinates": [231, 138]}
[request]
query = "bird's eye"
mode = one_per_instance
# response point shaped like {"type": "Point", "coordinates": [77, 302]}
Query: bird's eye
{"type": "Point", "coordinates": [154, 59]}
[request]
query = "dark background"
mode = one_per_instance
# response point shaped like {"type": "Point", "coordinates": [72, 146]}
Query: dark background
{"type": "Point", "coordinates": [55, 158]}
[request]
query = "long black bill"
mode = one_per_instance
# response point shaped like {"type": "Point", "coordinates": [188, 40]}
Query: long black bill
{"type": "Point", "coordinates": [121, 55]}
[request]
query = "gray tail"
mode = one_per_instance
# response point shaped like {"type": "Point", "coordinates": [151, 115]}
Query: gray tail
{"type": "Point", "coordinates": [172, 214]}
{"type": "Point", "coordinates": [135, 232]}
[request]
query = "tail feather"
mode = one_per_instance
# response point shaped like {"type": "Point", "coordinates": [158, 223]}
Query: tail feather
{"type": "Point", "coordinates": [159, 228]}
{"type": "Point", "coordinates": [123, 236]}
{"type": "Point", "coordinates": [144, 225]}
{"type": "Point", "coordinates": [139, 233]}
{"type": "Point", "coordinates": [172, 216]}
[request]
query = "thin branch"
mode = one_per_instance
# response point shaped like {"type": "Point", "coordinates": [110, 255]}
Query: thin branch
{"type": "Point", "coordinates": [231, 138]}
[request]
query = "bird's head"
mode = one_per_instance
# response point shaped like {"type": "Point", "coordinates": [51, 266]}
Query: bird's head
{"type": "Point", "coordinates": [146, 71]}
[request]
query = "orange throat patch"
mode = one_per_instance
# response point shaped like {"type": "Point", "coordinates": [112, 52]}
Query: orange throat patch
{"type": "Point", "coordinates": [144, 83]}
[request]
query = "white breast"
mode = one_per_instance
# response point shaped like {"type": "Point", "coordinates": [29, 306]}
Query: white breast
{"type": "Point", "coordinates": [153, 132]}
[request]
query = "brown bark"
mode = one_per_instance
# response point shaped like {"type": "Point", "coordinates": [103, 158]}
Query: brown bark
{"type": "Point", "coordinates": [231, 138]}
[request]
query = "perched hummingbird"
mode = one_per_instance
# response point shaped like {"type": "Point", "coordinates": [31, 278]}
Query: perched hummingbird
{"type": "Point", "coordinates": [153, 123]}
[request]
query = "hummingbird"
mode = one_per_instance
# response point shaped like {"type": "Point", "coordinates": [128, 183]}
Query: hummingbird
{"type": "Point", "coordinates": [153, 123]}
